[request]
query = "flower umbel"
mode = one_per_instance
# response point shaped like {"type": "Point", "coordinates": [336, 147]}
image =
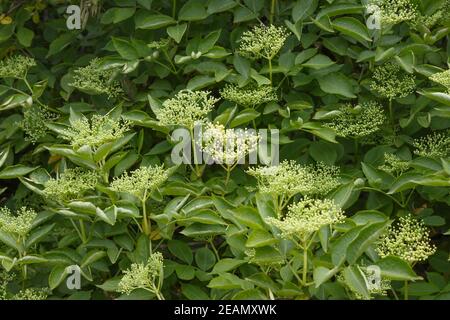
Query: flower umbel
{"type": "Point", "coordinates": [361, 121]}
{"type": "Point", "coordinates": [146, 276]}
{"type": "Point", "coordinates": [443, 78]}
{"type": "Point", "coordinates": [94, 79]}
{"type": "Point", "coordinates": [408, 240]}
{"type": "Point", "coordinates": [71, 184]}
{"type": "Point", "coordinates": [308, 216]}
{"type": "Point", "coordinates": [249, 96]}
{"type": "Point", "coordinates": [434, 145]}
{"type": "Point", "coordinates": [34, 122]}
{"type": "Point", "coordinates": [140, 182]}
{"type": "Point", "coordinates": [262, 42]}
{"type": "Point", "coordinates": [390, 82]}
{"type": "Point", "coordinates": [228, 146]}
{"type": "Point", "coordinates": [31, 294]}
{"type": "Point", "coordinates": [16, 66]}
{"type": "Point", "coordinates": [394, 165]}
{"type": "Point", "coordinates": [186, 109]}
{"type": "Point", "coordinates": [290, 178]}
{"type": "Point", "coordinates": [20, 223]}
{"type": "Point", "coordinates": [395, 11]}
{"type": "Point", "coordinates": [95, 132]}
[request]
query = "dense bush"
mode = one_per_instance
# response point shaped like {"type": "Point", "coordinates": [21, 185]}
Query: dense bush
{"type": "Point", "coordinates": [358, 207]}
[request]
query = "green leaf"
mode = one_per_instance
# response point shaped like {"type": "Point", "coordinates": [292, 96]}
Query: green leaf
{"type": "Point", "coordinates": [9, 240]}
{"type": "Point", "coordinates": [377, 178]}
{"type": "Point", "coordinates": [108, 215]}
{"type": "Point", "coordinates": [353, 28]}
{"type": "Point", "coordinates": [395, 268]}
{"type": "Point", "coordinates": [25, 36]}
{"type": "Point", "coordinates": [200, 81]}
{"type": "Point", "coordinates": [37, 235]}
{"type": "Point", "coordinates": [15, 171]}
{"type": "Point", "coordinates": [323, 152]}
{"type": "Point", "coordinates": [440, 97]}
{"type": "Point", "coordinates": [57, 276]}
{"type": "Point", "coordinates": [216, 6]}
{"type": "Point", "coordinates": [304, 9]}
{"type": "Point", "coordinates": [192, 10]}
{"type": "Point", "coordinates": [193, 292]}
{"type": "Point", "coordinates": [91, 257]}
{"type": "Point", "coordinates": [249, 217]}
{"type": "Point", "coordinates": [205, 259]}
{"type": "Point", "coordinates": [322, 275]}
{"type": "Point", "coordinates": [244, 117]}
{"type": "Point", "coordinates": [319, 61]}
{"type": "Point", "coordinates": [366, 237]}
{"type": "Point", "coordinates": [147, 21]}
{"type": "Point", "coordinates": [181, 250]}
{"type": "Point", "coordinates": [355, 279]}
{"type": "Point", "coordinates": [125, 49]}
{"type": "Point", "coordinates": [339, 247]}
{"type": "Point", "coordinates": [177, 32]}
{"type": "Point", "coordinates": [336, 9]}
{"type": "Point", "coordinates": [227, 264]}
{"type": "Point", "coordinates": [226, 281]}
{"type": "Point", "coordinates": [260, 238]}
{"type": "Point", "coordinates": [116, 15]}
{"type": "Point", "coordinates": [337, 83]}
{"type": "Point", "coordinates": [60, 43]}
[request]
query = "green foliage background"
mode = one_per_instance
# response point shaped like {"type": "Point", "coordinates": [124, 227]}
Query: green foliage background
{"type": "Point", "coordinates": [214, 236]}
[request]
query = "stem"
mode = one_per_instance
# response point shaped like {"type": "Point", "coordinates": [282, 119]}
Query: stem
{"type": "Point", "coordinates": [391, 112]}
{"type": "Point", "coordinates": [76, 229]}
{"type": "Point", "coordinates": [174, 8]}
{"type": "Point", "coordinates": [406, 290]}
{"type": "Point", "coordinates": [305, 264]}
{"type": "Point", "coordinates": [159, 295]}
{"type": "Point", "coordinates": [145, 224]}
{"type": "Point", "coordinates": [395, 294]}
{"type": "Point", "coordinates": [213, 247]}
{"type": "Point", "coordinates": [270, 70]}
{"type": "Point", "coordinates": [83, 232]}
{"type": "Point", "coordinates": [194, 150]}
{"type": "Point", "coordinates": [228, 176]}
{"type": "Point", "coordinates": [174, 68]}
{"type": "Point", "coordinates": [272, 11]}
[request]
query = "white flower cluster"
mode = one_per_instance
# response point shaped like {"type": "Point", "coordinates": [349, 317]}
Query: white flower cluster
{"type": "Point", "coordinates": [94, 79]}
{"type": "Point", "coordinates": [262, 42]}
{"type": "Point", "coordinates": [140, 182]}
{"type": "Point", "coordinates": [408, 240]}
{"type": "Point", "coordinates": [290, 178]}
{"type": "Point", "coordinates": [390, 82]}
{"type": "Point", "coordinates": [392, 12]}
{"type": "Point", "coordinates": [16, 66]}
{"type": "Point", "coordinates": [143, 276]}
{"type": "Point", "coordinates": [20, 223]}
{"type": "Point", "coordinates": [228, 146]}
{"type": "Point", "coordinates": [70, 185]}
{"type": "Point", "coordinates": [434, 145]}
{"type": "Point", "coordinates": [394, 165]}
{"type": "Point", "coordinates": [360, 121]}
{"type": "Point", "coordinates": [249, 96]}
{"type": "Point", "coordinates": [307, 216]}
{"type": "Point", "coordinates": [95, 132]}
{"type": "Point", "coordinates": [186, 109]}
